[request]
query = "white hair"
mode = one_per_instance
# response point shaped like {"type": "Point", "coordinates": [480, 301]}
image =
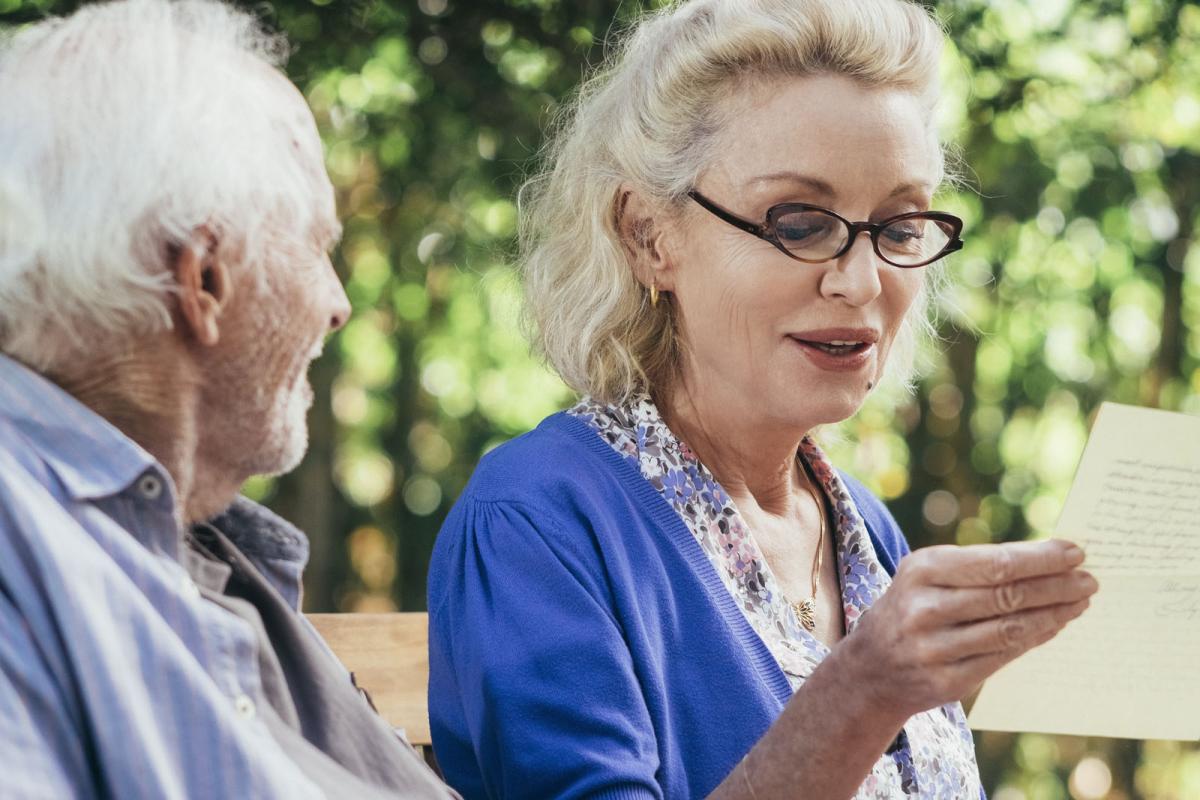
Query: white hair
{"type": "Point", "coordinates": [124, 129]}
{"type": "Point", "coordinates": [651, 117]}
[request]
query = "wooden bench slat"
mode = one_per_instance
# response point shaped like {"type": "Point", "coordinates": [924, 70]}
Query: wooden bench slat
{"type": "Point", "coordinates": [388, 654]}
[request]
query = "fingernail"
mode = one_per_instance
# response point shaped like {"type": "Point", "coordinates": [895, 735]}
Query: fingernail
{"type": "Point", "coordinates": [1074, 554]}
{"type": "Point", "coordinates": [1085, 580]}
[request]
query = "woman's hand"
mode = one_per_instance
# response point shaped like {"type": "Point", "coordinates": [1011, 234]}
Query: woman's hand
{"type": "Point", "coordinates": [954, 615]}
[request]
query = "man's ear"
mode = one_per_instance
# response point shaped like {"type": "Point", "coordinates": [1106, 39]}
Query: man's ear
{"type": "Point", "coordinates": [644, 239]}
{"type": "Point", "coordinates": [204, 285]}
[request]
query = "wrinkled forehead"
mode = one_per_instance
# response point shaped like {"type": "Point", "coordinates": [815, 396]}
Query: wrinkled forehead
{"type": "Point", "coordinates": [298, 131]}
{"type": "Point", "coordinates": [291, 106]}
{"type": "Point", "coordinates": [850, 134]}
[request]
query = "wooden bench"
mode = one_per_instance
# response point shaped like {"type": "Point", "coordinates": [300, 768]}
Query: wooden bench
{"type": "Point", "coordinates": [388, 654]}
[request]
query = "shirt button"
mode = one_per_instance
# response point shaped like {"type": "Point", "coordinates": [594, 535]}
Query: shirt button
{"type": "Point", "coordinates": [150, 486]}
{"type": "Point", "coordinates": [244, 707]}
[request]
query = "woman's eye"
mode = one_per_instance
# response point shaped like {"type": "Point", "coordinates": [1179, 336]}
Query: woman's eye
{"type": "Point", "coordinates": [903, 233]}
{"type": "Point", "coordinates": [803, 227]}
{"type": "Point", "coordinates": [796, 233]}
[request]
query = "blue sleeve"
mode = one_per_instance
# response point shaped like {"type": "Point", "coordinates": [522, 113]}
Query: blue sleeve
{"type": "Point", "coordinates": [532, 691]}
{"type": "Point", "coordinates": [886, 536]}
{"type": "Point", "coordinates": [41, 754]}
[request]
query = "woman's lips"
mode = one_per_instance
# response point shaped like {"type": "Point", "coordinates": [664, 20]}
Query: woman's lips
{"type": "Point", "coordinates": [837, 354]}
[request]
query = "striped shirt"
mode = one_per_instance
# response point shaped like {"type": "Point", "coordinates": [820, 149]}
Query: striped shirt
{"type": "Point", "coordinates": [117, 677]}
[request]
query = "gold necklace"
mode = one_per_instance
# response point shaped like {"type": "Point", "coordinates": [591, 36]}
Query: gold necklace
{"type": "Point", "coordinates": [806, 610]}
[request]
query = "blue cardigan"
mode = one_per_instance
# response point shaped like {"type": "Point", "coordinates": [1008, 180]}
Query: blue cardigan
{"type": "Point", "coordinates": [581, 643]}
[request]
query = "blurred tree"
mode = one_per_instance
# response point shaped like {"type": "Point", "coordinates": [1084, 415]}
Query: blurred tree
{"type": "Point", "coordinates": [1077, 126]}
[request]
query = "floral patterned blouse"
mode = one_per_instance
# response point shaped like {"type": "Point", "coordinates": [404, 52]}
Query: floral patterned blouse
{"type": "Point", "coordinates": [933, 758]}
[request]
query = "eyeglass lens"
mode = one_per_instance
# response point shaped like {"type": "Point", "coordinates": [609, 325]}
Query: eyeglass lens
{"type": "Point", "coordinates": [815, 236]}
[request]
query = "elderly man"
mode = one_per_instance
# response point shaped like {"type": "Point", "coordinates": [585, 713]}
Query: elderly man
{"type": "Point", "coordinates": [165, 221]}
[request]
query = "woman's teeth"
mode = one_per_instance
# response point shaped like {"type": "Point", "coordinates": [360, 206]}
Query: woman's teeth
{"type": "Point", "coordinates": [837, 348]}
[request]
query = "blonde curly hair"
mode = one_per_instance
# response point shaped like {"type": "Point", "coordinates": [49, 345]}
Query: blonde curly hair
{"type": "Point", "coordinates": [649, 117]}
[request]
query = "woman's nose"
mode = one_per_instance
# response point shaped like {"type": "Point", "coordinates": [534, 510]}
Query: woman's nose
{"type": "Point", "coordinates": [854, 276]}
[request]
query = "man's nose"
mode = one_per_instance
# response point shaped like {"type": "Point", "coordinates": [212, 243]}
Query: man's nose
{"type": "Point", "coordinates": [339, 303]}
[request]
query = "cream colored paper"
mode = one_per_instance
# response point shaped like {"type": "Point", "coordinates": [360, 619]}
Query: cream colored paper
{"type": "Point", "coordinates": [1128, 666]}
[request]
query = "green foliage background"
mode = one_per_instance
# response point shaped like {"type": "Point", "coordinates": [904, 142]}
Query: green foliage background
{"type": "Point", "coordinates": [1078, 125]}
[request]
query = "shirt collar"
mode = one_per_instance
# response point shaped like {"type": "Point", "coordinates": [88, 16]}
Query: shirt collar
{"type": "Point", "coordinates": [278, 549]}
{"type": "Point", "coordinates": [90, 456]}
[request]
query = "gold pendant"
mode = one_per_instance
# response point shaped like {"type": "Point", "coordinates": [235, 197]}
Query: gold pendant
{"type": "Point", "coordinates": [806, 612]}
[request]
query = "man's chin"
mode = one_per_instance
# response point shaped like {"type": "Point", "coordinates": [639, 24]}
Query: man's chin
{"type": "Point", "coordinates": [284, 439]}
{"type": "Point", "coordinates": [280, 452]}
{"type": "Point", "coordinates": [289, 456]}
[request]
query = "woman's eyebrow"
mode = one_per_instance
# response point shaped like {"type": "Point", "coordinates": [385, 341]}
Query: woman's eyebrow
{"type": "Point", "coordinates": [824, 191]}
{"type": "Point", "coordinates": [919, 187]}
{"type": "Point", "coordinates": [814, 184]}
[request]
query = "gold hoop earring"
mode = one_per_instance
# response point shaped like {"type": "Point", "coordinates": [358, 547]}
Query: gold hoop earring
{"type": "Point", "coordinates": [654, 293]}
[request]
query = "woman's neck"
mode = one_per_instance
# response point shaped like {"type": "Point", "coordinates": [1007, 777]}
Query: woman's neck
{"type": "Point", "coordinates": [751, 460]}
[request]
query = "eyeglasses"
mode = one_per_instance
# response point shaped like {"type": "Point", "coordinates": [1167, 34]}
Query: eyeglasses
{"type": "Point", "coordinates": [813, 234]}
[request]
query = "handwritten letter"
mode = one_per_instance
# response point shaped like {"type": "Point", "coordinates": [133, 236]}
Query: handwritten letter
{"type": "Point", "coordinates": [1126, 668]}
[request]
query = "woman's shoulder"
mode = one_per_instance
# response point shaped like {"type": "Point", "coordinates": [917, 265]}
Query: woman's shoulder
{"type": "Point", "coordinates": [561, 455]}
{"type": "Point", "coordinates": [546, 500]}
{"type": "Point", "coordinates": [560, 482]}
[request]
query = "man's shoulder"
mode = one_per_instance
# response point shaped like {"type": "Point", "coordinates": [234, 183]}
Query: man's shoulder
{"type": "Point", "coordinates": [26, 479]}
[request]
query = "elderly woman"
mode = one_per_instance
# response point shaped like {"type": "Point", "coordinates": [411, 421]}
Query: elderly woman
{"type": "Point", "coordinates": [664, 591]}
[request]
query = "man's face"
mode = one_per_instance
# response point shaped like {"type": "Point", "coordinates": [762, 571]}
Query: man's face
{"type": "Point", "coordinates": [257, 393]}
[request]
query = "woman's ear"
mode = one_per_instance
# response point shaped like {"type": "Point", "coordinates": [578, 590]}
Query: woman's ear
{"type": "Point", "coordinates": [644, 239]}
{"type": "Point", "coordinates": [204, 285]}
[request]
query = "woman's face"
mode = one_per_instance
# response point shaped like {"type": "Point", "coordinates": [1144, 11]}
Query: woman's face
{"type": "Point", "coordinates": [757, 325]}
